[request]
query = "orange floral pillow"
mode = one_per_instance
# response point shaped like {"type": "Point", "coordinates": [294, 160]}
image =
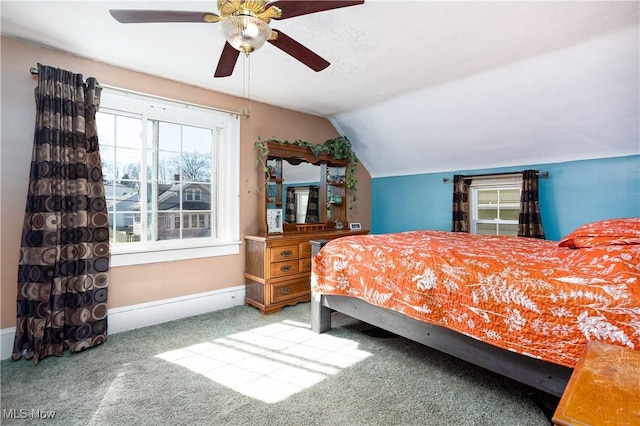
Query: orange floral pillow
{"type": "Point", "coordinates": [604, 233]}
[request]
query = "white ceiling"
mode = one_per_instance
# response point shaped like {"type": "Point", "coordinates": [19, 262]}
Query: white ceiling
{"type": "Point", "coordinates": [417, 86]}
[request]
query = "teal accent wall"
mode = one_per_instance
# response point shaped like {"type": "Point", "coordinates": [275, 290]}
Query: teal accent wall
{"type": "Point", "coordinates": [575, 193]}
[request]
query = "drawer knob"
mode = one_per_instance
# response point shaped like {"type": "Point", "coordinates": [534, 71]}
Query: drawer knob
{"type": "Point", "coordinates": [286, 253]}
{"type": "Point", "coordinates": [285, 290]}
{"type": "Point", "coordinates": [285, 268]}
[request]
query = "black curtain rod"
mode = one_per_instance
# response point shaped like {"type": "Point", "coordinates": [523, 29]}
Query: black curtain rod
{"type": "Point", "coordinates": [34, 71]}
{"type": "Point", "coordinates": [541, 174]}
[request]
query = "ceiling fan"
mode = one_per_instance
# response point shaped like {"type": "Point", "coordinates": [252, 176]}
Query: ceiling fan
{"type": "Point", "coordinates": [245, 26]}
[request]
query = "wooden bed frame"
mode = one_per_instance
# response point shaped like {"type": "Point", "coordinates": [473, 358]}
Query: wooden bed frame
{"type": "Point", "coordinates": [541, 375]}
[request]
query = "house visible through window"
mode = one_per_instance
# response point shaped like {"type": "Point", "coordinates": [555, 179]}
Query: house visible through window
{"type": "Point", "coordinates": [494, 205]}
{"type": "Point", "coordinates": [170, 173]}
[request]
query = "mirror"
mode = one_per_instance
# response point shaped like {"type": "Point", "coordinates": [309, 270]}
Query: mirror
{"type": "Point", "coordinates": [300, 192]}
{"type": "Point", "coordinates": [303, 173]}
{"type": "Point", "coordinates": [322, 187]}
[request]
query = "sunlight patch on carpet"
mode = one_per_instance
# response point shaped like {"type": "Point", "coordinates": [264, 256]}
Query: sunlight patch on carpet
{"type": "Point", "coordinates": [269, 363]}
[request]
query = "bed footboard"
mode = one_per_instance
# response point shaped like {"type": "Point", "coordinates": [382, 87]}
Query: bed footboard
{"type": "Point", "coordinates": [545, 376]}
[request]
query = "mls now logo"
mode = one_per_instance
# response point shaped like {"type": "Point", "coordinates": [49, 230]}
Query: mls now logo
{"type": "Point", "coordinates": [22, 413]}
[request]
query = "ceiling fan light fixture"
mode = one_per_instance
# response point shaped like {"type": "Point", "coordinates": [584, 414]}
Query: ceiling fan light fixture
{"type": "Point", "coordinates": [245, 33]}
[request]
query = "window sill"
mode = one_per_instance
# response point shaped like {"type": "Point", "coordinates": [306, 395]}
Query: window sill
{"type": "Point", "coordinates": [141, 256]}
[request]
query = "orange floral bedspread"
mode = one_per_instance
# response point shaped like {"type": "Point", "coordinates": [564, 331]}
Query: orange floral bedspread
{"type": "Point", "coordinates": [521, 294]}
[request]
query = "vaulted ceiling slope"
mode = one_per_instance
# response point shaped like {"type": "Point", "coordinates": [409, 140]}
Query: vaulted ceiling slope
{"type": "Point", "coordinates": [418, 86]}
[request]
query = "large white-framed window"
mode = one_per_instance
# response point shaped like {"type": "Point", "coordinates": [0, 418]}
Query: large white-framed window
{"type": "Point", "coordinates": [171, 173]}
{"type": "Point", "coordinates": [494, 205]}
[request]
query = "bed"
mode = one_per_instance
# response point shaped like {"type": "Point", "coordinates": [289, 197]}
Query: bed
{"type": "Point", "coordinates": [521, 307]}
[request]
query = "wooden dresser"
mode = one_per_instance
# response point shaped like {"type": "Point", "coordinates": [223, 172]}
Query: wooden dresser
{"type": "Point", "coordinates": [278, 258]}
{"type": "Point", "coordinates": [278, 267]}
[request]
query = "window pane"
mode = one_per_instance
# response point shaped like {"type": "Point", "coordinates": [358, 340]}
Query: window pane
{"type": "Point", "coordinates": [128, 132]}
{"type": "Point", "coordinates": [126, 197]}
{"type": "Point", "coordinates": [151, 161]}
{"type": "Point", "coordinates": [511, 230]}
{"type": "Point", "coordinates": [486, 229]}
{"type": "Point", "coordinates": [111, 228]}
{"type": "Point", "coordinates": [196, 167]}
{"type": "Point", "coordinates": [106, 128]}
{"type": "Point", "coordinates": [108, 163]}
{"type": "Point", "coordinates": [109, 196]}
{"type": "Point", "coordinates": [168, 167]}
{"type": "Point", "coordinates": [128, 164]}
{"type": "Point", "coordinates": [151, 226]}
{"type": "Point", "coordinates": [196, 140]}
{"type": "Point", "coordinates": [488, 196]}
{"type": "Point", "coordinates": [127, 227]}
{"type": "Point", "coordinates": [198, 198]}
{"type": "Point", "coordinates": [169, 226]}
{"type": "Point", "coordinates": [510, 196]}
{"type": "Point", "coordinates": [168, 197]}
{"type": "Point", "coordinates": [169, 137]}
{"type": "Point", "coordinates": [509, 213]}
{"type": "Point", "coordinates": [487, 214]}
{"type": "Point", "coordinates": [195, 230]}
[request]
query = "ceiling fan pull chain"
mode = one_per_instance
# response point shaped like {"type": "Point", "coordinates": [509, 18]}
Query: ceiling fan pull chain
{"type": "Point", "coordinates": [246, 85]}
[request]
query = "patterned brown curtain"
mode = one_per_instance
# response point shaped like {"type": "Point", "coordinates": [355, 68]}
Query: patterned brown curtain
{"type": "Point", "coordinates": [64, 255]}
{"type": "Point", "coordinates": [290, 205]}
{"type": "Point", "coordinates": [529, 222]}
{"type": "Point", "coordinates": [460, 221]}
{"type": "Point", "coordinates": [313, 214]}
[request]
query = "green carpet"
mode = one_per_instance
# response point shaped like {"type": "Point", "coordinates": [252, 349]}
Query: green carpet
{"type": "Point", "coordinates": [238, 367]}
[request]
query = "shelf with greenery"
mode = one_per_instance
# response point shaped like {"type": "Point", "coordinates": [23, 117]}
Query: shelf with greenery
{"type": "Point", "coordinates": [335, 150]}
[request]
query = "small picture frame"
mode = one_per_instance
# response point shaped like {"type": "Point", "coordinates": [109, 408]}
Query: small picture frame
{"type": "Point", "coordinates": [355, 226]}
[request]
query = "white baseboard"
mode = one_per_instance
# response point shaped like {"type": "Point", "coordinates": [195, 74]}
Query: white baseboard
{"type": "Point", "coordinates": [151, 313]}
{"type": "Point", "coordinates": [6, 342]}
{"type": "Point", "coordinates": [145, 314]}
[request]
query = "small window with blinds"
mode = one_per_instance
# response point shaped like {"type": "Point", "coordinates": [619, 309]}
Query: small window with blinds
{"type": "Point", "coordinates": [495, 205]}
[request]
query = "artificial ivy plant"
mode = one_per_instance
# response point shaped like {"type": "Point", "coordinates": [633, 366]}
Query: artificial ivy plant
{"type": "Point", "coordinates": [339, 148]}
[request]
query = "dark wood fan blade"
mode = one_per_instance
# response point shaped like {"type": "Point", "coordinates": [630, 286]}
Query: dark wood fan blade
{"type": "Point", "coordinates": [298, 51]}
{"type": "Point", "coordinates": [291, 8]}
{"type": "Point", "coordinates": [227, 61]}
{"type": "Point", "coordinates": [129, 16]}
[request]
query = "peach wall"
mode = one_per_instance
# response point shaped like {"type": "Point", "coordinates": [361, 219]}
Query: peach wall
{"type": "Point", "coordinates": [137, 284]}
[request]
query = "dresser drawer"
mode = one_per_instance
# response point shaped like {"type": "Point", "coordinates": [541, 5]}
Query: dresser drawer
{"type": "Point", "coordinates": [284, 291]}
{"type": "Point", "coordinates": [282, 269]}
{"type": "Point", "coordinates": [304, 249]}
{"type": "Point", "coordinates": [304, 265]}
{"type": "Point", "coordinates": [284, 253]}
